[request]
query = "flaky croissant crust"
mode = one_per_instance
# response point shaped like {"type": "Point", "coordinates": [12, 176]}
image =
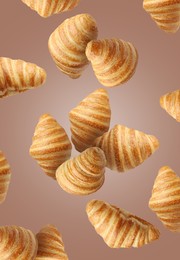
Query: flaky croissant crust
{"type": "Point", "coordinates": [90, 119]}
{"type": "Point", "coordinates": [118, 227]}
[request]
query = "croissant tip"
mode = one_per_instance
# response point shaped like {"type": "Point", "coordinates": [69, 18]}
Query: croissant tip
{"type": "Point", "coordinates": [154, 233]}
{"type": "Point", "coordinates": [155, 142]}
{"type": "Point", "coordinates": [161, 101]}
{"type": "Point", "coordinates": [2, 199]}
{"type": "Point", "coordinates": [48, 226]}
{"type": "Point", "coordinates": [91, 20]}
{"type": "Point", "coordinates": [150, 203]}
{"type": "Point", "coordinates": [96, 152]}
{"type": "Point", "coordinates": [102, 90]}
{"type": "Point", "coordinates": [86, 15]}
{"type": "Point", "coordinates": [93, 49]}
{"type": "Point", "coordinates": [45, 115]}
{"type": "Point", "coordinates": [164, 168]}
{"type": "Point", "coordinates": [30, 150]}
{"type": "Point", "coordinates": [89, 205]}
{"type": "Point", "coordinates": [116, 126]}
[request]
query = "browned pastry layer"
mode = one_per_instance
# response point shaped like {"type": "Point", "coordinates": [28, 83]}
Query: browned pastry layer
{"type": "Point", "coordinates": [165, 199]}
{"type": "Point", "coordinates": [90, 119]}
{"type": "Point", "coordinates": [46, 8]}
{"type": "Point", "coordinates": [5, 176]}
{"type": "Point", "coordinates": [68, 42]}
{"type": "Point", "coordinates": [51, 146]}
{"type": "Point", "coordinates": [166, 13]}
{"type": "Point", "coordinates": [17, 76]}
{"type": "Point", "coordinates": [126, 148]}
{"type": "Point", "coordinates": [17, 243]}
{"type": "Point", "coordinates": [171, 103]}
{"type": "Point", "coordinates": [50, 244]}
{"type": "Point", "coordinates": [113, 60]}
{"type": "Point", "coordinates": [119, 228]}
{"type": "Point", "coordinates": [83, 174]}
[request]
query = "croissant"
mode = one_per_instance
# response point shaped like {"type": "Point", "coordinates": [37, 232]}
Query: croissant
{"type": "Point", "coordinates": [68, 42]}
{"type": "Point", "coordinates": [46, 8]}
{"type": "Point", "coordinates": [171, 103]}
{"type": "Point", "coordinates": [90, 119]}
{"type": "Point", "coordinates": [113, 61]}
{"type": "Point", "coordinates": [50, 244]}
{"type": "Point", "coordinates": [17, 243]}
{"type": "Point", "coordinates": [166, 13]}
{"type": "Point", "coordinates": [119, 228]}
{"type": "Point", "coordinates": [17, 76]}
{"type": "Point", "coordinates": [51, 146]}
{"type": "Point", "coordinates": [165, 199]}
{"type": "Point", "coordinates": [126, 148]}
{"type": "Point", "coordinates": [83, 174]}
{"type": "Point", "coordinates": [5, 176]}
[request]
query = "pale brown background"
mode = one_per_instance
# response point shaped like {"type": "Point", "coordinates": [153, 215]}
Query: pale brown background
{"type": "Point", "coordinates": [34, 199]}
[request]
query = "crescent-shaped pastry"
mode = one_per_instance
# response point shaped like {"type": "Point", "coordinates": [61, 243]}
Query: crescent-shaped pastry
{"type": "Point", "coordinates": [46, 8]}
{"type": "Point", "coordinates": [5, 176]}
{"type": "Point", "coordinates": [17, 243]}
{"type": "Point", "coordinates": [50, 244]}
{"type": "Point", "coordinates": [17, 76]}
{"type": "Point", "coordinates": [166, 13]}
{"type": "Point", "coordinates": [113, 60]}
{"type": "Point", "coordinates": [119, 228]}
{"type": "Point", "coordinates": [68, 42]}
{"type": "Point", "coordinates": [165, 199]}
{"type": "Point", "coordinates": [171, 103]}
{"type": "Point", "coordinates": [83, 174]}
{"type": "Point", "coordinates": [51, 145]}
{"type": "Point", "coordinates": [126, 148]}
{"type": "Point", "coordinates": [90, 119]}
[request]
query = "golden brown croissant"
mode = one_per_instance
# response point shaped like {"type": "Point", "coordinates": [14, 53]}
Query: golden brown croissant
{"type": "Point", "coordinates": [83, 174]}
{"type": "Point", "coordinates": [90, 119]}
{"type": "Point", "coordinates": [17, 76]}
{"type": "Point", "coordinates": [51, 146]}
{"type": "Point", "coordinates": [50, 244]}
{"type": "Point", "coordinates": [166, 13]}
{"type": "Point", "coordinates": [119, 228]}
{"type": "Point", "coordinates": [17, 243]}
{"type": "Point", "coordinates": [126, 148]}
{"type": "Point", "coordinates": [46, 8]}
{"type": "Point", "coordinates": [171, 103]}
{"type": "Point", "coordinates": [5, 176]}
{"type": "Point", "coordinates": [113, 60]}
{"type": "Point", "coordinates": [165, 199]}
{"type": "Point", "coordinates": [68, 42]}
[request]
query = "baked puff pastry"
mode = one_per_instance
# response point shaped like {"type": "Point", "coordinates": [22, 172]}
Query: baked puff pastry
{"type": "Point", "coordinates": [165, 199]}
{"type": "Point", "coordinates": [17, 243]}
{"type": "Point", "coordinates": [51, 145]}
{"type": "Point", "coordinates": [46, 8]}
{"type": "Point", "coordinates": [50, 244]}
{"type": "Point", "coordinates": [119, 228]}
{"type": "Point", "coordinates": [171, 103]}
{"type": "Point", "coordinates": [83, 174]}
{"type": "Point", "coordinates": [166, 13]}
{"type": "Point", "coordinates": [126, 148]}
{"type": "Point", "coordinates": [113, 60]}
{"type": "Point", "coordinates": [90, 119]}
{"type": "Point", "coordinates": [68, 42]}
{"type": "Point", "coordinates": [5, 176]}
{"type": "Point", "coordinates": [17, 76]}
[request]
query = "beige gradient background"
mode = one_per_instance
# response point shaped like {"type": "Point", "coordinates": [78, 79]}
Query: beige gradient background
{"type": "Point", "coordinates": [34, 199]}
